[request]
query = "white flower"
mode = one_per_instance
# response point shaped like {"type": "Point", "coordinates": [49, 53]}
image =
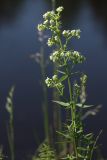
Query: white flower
{"type": "Point", "coordinates": [77, 57]}
{"type": "Point", "coordinates": [76, 54]}
{"type": "Point", "coordinates": [59, 9]}
{"type": "Point", "coordinates": [55, 53]}
{"type": "Point", "coordinates": [73, 32]}
{"type": "Point", "coordinates": [46, 15]}
{"type": "Point", "coordinates": [66, 33]}
{"type": "Point", "coordinates": [50, 42]}
{"type": "Point", "coordinates": [45, 22]}
{"type": "Point", "coordinates": [51, 57]}
{"type": "Point", "coordinates": [76, 33]}
{"type": "Point", "coordinates": [62, 54]}
{"type": "Point", "coordinates": [40, 27]}
{"type": "Point", "coordinates": [55, 56]}
{"type": "Point", "coordinates": [68, 54]}
{"type": "Point", "coordinates": [55, 77]}
{"type": "Point", "coordinates": [56, 38]}
{"type": "Point", "coordinates": [52, 22]}
{"type": "Point", "coordinates": [48, 82]}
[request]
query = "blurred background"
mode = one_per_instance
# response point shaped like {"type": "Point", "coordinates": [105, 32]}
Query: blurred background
{"type": "Point", "coordinates": [19, 40]}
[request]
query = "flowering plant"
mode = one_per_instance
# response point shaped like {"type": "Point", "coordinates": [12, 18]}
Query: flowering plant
{"type": "Point", "coordinates": [83, 145]}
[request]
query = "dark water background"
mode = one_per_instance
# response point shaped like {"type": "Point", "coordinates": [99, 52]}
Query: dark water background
{"type": "Point", "coordinates": [18, 40]}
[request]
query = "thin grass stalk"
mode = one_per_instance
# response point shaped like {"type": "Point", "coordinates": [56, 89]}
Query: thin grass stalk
{"type": "Point", "coordinates": [10, 127]}
{"type": "Point", "coordinates": [45, 94]}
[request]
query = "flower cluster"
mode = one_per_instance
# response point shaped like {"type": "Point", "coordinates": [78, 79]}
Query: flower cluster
{"type": "Point", "coordinates": [74, 56]}
{"type": "Point", "coordinates": [71, 33]}
{"type": "Point", "coordinates": [51, 20]}
{"type": "Point", "coordinates": [55, 82]}
{"type": "Point", "coordinates": [61, 57]}
{"type": "Point", "coordinates": [77, 57]}
{"type": "Point", "coordinates": [59, 9]}
{"type": "Point", "coordinates": [57, 57]}
{"type": "Point", "coordinates": [52, 41]}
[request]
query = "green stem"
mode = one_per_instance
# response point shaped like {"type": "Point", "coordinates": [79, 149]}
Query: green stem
{"type": "Point", "coordinates": [70, 94]}
{"type": "Point", "coordinates": [73, 116]}
{"type": "Point", "coordinates": [70, 91]}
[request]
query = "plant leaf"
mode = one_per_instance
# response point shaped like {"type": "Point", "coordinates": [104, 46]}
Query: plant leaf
{"type": "Point", "coordinates": [83, 106]}
{"type": "Point", "coordinates": [63, 78]}
{"type": "Point", "coordinates": [65, 104]}
{"type": "Point", "coordinates": [60, 71]}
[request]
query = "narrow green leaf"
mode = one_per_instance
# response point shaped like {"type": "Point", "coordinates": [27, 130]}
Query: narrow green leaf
{"type": "Point", "coordinates": [63, 78]}
{"type": "Point", "coordinates": [61, 72]}
{"type": "Point", "coordinates": [65, 104]}
{"type": "Point", "coordinates": [83, 106]}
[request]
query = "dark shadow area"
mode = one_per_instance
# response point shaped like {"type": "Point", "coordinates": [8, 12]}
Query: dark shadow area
{"type": "Point", "coordinates": [9, 9]}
